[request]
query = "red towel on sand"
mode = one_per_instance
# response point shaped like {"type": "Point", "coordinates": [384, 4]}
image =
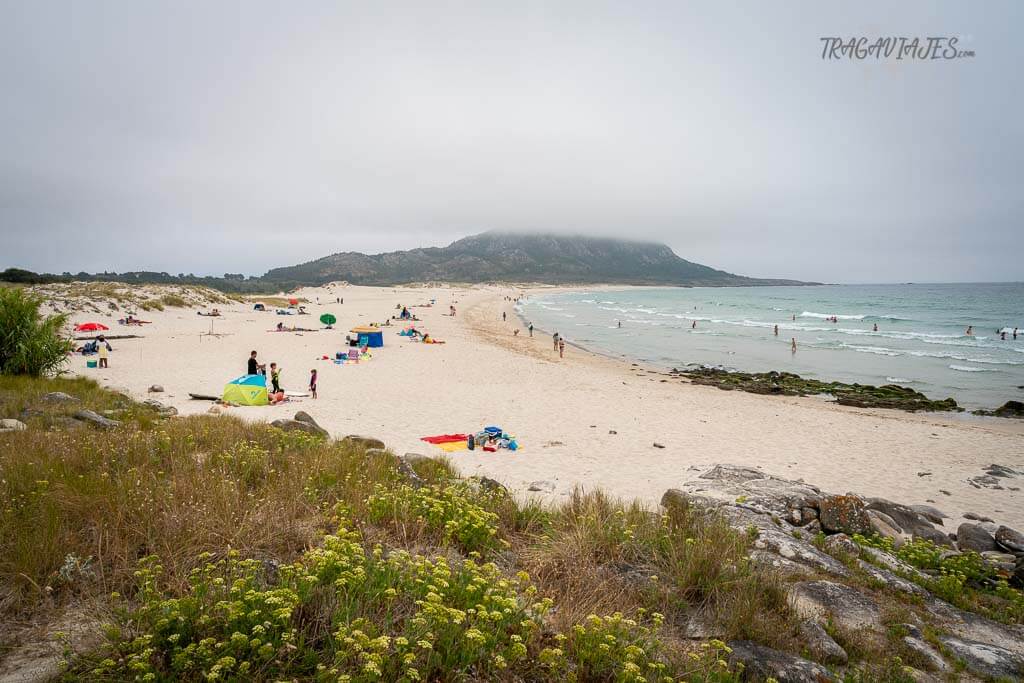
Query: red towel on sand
{"type": "Point", "coordinates": [445, 438]}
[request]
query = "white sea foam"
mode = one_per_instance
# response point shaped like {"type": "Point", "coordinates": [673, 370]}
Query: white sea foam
{"type": "Point", "coordinates": [967, 368]}
{"type": "Point", "coordinates": [899, 380]}
{"type": "Point", "coordinates": [879, 350]}
{"type": "Point", "coordinates": [826, 316]}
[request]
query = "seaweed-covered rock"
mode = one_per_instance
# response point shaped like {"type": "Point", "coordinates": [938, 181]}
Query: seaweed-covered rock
{"type": "Point", "coordinates": [1008, 409]}
{"type": "Point", "coordinates": [789, 384]}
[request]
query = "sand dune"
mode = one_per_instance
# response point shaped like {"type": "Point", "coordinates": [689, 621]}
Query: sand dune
{"type": "Point", "coordinates": [583, 421]}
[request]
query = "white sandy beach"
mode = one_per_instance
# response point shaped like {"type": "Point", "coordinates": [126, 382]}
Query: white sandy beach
{"type": "Point", "coordinates": [583, 421]}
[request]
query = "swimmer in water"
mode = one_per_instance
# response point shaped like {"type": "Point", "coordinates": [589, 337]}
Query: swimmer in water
{"type": "Point", "coordinates": [776, 330]}
{"type": "Point", "coordinates": [875, 328]}
{"type": "Point", "coordinates": [970, 331]}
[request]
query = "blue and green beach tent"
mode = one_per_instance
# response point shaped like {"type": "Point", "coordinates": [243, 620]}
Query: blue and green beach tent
{"type": "Point", "coordinates": [247, 390]}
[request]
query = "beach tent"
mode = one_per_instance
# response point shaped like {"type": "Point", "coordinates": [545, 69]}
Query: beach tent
{"type": "Point", "coordinates": [90, 327]}
{"type": "Point", "coordinates": [369, 336]}
{"type": "Point", "coordinates": [247, 390]}
{"type": "Point", "coordinates": [259, 307]}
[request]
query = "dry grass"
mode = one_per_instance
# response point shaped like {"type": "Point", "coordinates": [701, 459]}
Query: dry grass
{"type": "Point", "coordinates": [82, 508]}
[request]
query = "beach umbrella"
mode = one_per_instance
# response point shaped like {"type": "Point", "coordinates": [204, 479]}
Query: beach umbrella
{"type": "Point", "coordinates": [328, 319]}
{"type": "Point", "coordinates": [90, 327]}
{"type": "Point", "coordinates": [293, 302]}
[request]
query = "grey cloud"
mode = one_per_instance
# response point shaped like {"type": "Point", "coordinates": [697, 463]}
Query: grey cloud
{"type": "Point", "coordinates": [236, 136]}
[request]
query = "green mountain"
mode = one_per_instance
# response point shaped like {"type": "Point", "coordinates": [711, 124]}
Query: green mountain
{"type": "Point", "coordinates": [510, 257]}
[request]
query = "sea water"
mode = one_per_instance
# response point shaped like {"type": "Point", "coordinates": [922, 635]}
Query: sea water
{"type": "Point", "coordinates": [921, 341]}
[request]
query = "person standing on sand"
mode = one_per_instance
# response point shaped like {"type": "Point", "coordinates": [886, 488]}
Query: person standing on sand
{"type": "Point", "coordinates": [275, 378]}
{"type": "Point", "coordinates": [253, 367]}
{"type": "Point", "coordinates": [104, 350]}
{"type": "Point", "coordinates": [531, 329]}
{"type": "Point", "coordinates": [312, 382]}
{"type": "Point", "coordinates": [694, 325]}
{"type": "Point", "coordinates": [561, 348]}
{"type": "Point", "coordinates": [504, 316]}
{"type": "Point", "coordinates": [554, 340]}
{"type": "Point", "coordinates": [776, 330]}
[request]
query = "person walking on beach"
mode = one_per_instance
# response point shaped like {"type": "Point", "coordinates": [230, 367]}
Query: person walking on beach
{"type": "Point", "coordinates": [792, 345]}
{"type": "Point", "coordinates": [776, 330]}
{"type": "Point", "coordinates": [504, 316]}
{"type": "Point", "coordinates": [561, 348]}
{"type": "Point", "coordinates": [531, 329]}
{"type": "Point", "coordinates": [554, 340]}
{"type": "Point", "coordinates": [620, 324]}
{"type": "Point", "coordinates": [694, 325]}
{"type": "Point", "coordinates": [275, 378]}
{"type": "Point", "coordinates": [312, 382]}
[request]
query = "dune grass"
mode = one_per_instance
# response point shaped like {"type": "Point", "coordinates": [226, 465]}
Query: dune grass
{"type": "Point", "coordinates": [238, 551]}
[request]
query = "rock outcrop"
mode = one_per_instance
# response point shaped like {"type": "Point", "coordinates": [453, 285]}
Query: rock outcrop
{"type": "Point", "coordinates": [833, 580]}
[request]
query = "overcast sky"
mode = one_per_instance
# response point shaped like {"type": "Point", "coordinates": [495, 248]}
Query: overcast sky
{"type": "Point", "coordinates": [214, 137]}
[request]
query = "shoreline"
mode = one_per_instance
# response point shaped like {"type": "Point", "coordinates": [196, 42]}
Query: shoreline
{"type": "Point", "coordinates": [588, 420]}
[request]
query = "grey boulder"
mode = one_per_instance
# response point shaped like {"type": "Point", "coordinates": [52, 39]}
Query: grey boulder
{"type": "Point", "coordinates": [974, 537]}
{"type": "Point", "coordinates": [764, 662]}
{"type": "Point", "coordinates": [306, 418]}
{"type": "Point", "coordinates": [9, 425]}
{"type": "Point", "coordinates": [849, 609]}
{"type": "Point", "coordinates": [820, 644]}
{"type": "Point", "coordinates": [296, 426]}
{"type": "Point", "coordinates": [59, 397]}
{"type": "Point", "coordinates": [96, 420]}
{"type": "Point", "coordinates": [362, 441]}
{"type": "Point", "coordinates": [986, 659]}
{"type": "Point", "coordinates": [1010, 539]}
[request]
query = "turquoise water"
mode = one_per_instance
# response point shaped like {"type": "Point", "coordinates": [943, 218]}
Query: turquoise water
{"type": "Point", "coordinates": [920, 342]}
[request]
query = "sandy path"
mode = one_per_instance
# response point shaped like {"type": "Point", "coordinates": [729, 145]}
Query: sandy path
{"type": "Point", "coordinates": [564, 411]}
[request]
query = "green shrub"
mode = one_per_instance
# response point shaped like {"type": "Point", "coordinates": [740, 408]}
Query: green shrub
{"type": "Point", "coordinates": [965, 579]}
{"type": "Point", "coordinates": [173, 301]}
{"type": "Point", "coordinates": [449, 514]}
{"type": "Point", "coordinates": [29, 343]}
